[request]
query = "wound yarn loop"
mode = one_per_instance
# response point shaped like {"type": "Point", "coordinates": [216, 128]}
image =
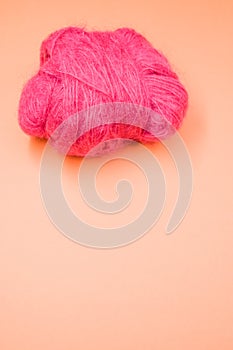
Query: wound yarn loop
{"type": "Point", "coordinates": [90, 79]}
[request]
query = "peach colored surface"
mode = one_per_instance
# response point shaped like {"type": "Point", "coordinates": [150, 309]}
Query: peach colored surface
{"type": "Point", "coordinates": [161, 292]}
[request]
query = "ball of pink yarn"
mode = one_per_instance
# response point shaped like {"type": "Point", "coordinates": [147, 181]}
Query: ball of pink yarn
{"type": "Point", "coordinates": [81, 69]}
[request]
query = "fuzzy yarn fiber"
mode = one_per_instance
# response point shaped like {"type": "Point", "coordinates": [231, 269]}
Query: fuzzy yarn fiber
{"type": "Point", "coordinates": [81, 69]}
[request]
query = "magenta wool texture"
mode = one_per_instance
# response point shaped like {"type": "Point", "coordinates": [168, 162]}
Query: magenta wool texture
{"type": "Point", "coordinates": [80, 69]}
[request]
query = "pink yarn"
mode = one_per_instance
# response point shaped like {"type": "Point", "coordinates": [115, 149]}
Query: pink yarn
{"type": "Point", "coordinates": [81, 69]}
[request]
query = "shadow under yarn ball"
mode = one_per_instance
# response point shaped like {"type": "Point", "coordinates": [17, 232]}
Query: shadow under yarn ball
{"type": "Point", "coordinates": [100, 86]}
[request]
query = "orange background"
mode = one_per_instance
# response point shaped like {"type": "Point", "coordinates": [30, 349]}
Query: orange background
{"type": "Point", "coordinates": [161, 292]}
